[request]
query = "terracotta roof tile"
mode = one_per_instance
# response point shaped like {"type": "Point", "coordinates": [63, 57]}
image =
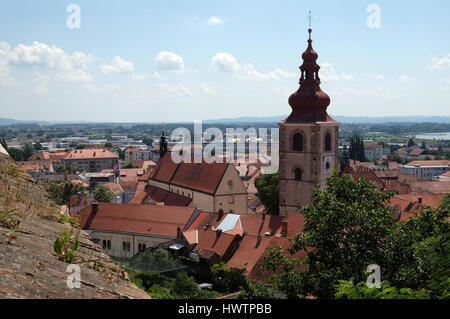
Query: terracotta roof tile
{"type": "Point", "coordinates": [137, 219]}
{"type": "Point", "coordinates": [90, 153]}
{"type": "Point", "coordinates": [202, 176]}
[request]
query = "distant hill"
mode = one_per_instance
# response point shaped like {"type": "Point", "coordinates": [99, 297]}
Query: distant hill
{"type": "Point", "coordinates": [342, 119]}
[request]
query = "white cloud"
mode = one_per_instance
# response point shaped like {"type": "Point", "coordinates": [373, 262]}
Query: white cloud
{"type": "Point", "coordinates": [347, 77]}
{"type": "Point", "coordinates": [284, 73]}
{"type": "Point", "coordinates": [441, 63]}
{"type": "Point", "coordinates": [166, 60]}
{"type": "Point", "coordinates": [43, 55]}
{"type": "Point", "coordinates": [158, 76]}
{"type": "Point", "coordinates": [404, 78]}
{"type": "Point", "coordinates": [225, 62]}
{"type": "Point", "coordinates": [214, 20]}
{"type": "Point", "coordinates": [205, 89]}
{"type": "Point", "coordinates": [69, 67]}
{"type": "Point", "coordinates": [99, 89]}
{"type": "Point", "coordinates": [376, 76]}
{"type": "Point", "coordinates": [118, 65]}
{"type": "Point", "coordinates": [179, 90]}
{"type": "Point", "coordinates": [139, 77]}
{"type": "Point", "coordinates": [327, 73]}
{"type": "Point", "coordinates": [76, 76]}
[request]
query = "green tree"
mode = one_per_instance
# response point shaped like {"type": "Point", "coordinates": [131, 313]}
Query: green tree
{"type": "Point", "coordinates": [108, 144]}
{"type": "Point", "coordinates": [268, 189]}
{"type": "Point", "coordinates": [121, 154]}
{"type": "Point", "coordinates": [147, 140]}
{"type": "Point", "coordinates": [103, 194]}
{"type": "Point", "coordinates": [347, 226]}
{"type": "Point", "coordinates": [130, 165]}
{"type": "Point", "coordinates": [62, 193]}
{"type": "Point", "coordinates": [27, 151]}
{"type": "Point", "coordinates": [356, 151]}
{"type": "Point", "coordinates": [411, 142]}
{"type": "Point", "coordinates": [3, 142]}
{"type": "Point", "coordinates": [16, 154]}
{"type": "Point", "coordinates": [228, 279]}
{"type": "Point", "coordinates": [184, 285]}
{"type": "Point", "coordinates": [37, 146]}
{"type": "Point", "coordinates": [345, 289]}
{"type": "Point", "coordinates": [423, 146]}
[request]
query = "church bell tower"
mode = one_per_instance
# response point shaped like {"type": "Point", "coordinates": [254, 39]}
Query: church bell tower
{"type": "Point", "coordinates": [308, 139]}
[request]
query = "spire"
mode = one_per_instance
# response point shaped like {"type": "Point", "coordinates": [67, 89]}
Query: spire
{"type": "Point", "coordinates": [162, 144]}
{"type": "Point", "coordinates": [309, 102]}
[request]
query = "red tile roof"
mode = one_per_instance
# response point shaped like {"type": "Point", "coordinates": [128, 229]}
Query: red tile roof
{"type": "Point", "coordinates": [410, 206]}
{"type": "Point", "coordinates": [204, 177]}
{"type": "Point", "coordinates": [257, 274]}
{"type": "Point", "coordinates": [137, 219]}
{"type": "Point", "coordinates": [429, 163]}
{"type": "Point", "coordinates": [249, 252]}
{"type": "Point", "coordinates": [158, 195]}
{"type": "Point", "coordinates": [210, 241]}
{"type": "Point", "coordinates": [129, 186]}
{"type": "Point", "coordinates": [164, 169]}
{"type": "Point", "coordinates": [35, 165]}
{"type": "Point", "coordinates": [91, 153]}
{"type": "Point", "coordinates": [115, 188]}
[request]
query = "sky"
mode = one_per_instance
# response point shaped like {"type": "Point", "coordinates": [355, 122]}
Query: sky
{"type": "Point", "coordinates": [186, 60]}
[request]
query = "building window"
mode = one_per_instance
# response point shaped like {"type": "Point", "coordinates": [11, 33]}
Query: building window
{"type": "Point", "coordinates": [139, 247]}
{"type": "Point", "coordinates": [109, 244]}
{"type": "Point", "coordinates": [128, 246]}
{"type": "Point", "coordinates": [230, 199]}
{"type": "Point", "coordinates": [104, 244]}
{"type": "Point", "coordinates": [124, 246]}
{"type": "Point", "coordinates": [327, 142]}
{"type": "Point", "coordinates": [298, 174]}
{"type": "Point", "coordinates": [297, 142]}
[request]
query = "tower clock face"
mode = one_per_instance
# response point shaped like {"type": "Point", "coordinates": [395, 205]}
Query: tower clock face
{"type": "Point", "coordinates": [328, 164]}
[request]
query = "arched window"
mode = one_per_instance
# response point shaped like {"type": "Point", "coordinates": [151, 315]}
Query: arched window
{"type": "Point", "coordinates": [128, 246]}
{"type": "Point", "coordinates": [327, 142]}
{"type": "Point", "coordinates": [139, 247]}
{"type": "Point", "coordinates": [297, 142]}
{"type": "Point", "coordinates": [124, 245]}
{"type": "Point", "coordinates": [109, 244]}
{"type": "Point", "coordinates": [104, 244]}
{"type": "Point", "coordinates": [298, 174]}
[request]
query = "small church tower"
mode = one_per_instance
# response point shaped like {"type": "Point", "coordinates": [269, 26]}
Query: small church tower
{"type": "Point", "coordinates": [162, 145]}
{"type": "Point", "coordinates": [308, 139]}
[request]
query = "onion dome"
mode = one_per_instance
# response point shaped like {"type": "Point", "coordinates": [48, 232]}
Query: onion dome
{"type": "Point", "coordinates": [309, 103]}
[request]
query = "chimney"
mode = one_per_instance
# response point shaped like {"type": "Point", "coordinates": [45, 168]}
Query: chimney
{"type": "Point", "coordinates": [284, 228]}
{"type": "Point", "coordinates": [94, 207]}
{"type": "Point", "coordinates": [218, 233]}
{"type": "Point", "coordinates": [178, 231]}
{"type": "Point", "coordinates": [420, 200]}
{"type": "Point", "coordinates": [219, 217]}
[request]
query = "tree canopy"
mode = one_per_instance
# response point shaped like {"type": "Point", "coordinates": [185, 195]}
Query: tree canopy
{"type": "Point", "coordinates": [350, 227]}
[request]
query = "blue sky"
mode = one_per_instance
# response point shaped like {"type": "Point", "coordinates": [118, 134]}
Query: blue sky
{"type": "Point", "coordinates": [170, 60]}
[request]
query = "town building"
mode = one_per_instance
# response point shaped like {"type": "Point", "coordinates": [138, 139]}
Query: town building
{"type": "Point", "coordinates": [373, 151]}
{"type": "Point", "coordinates": [308, 139]}
{"type": "Point", "coordinates": [91, 160]}
{"type": "Point", "coordinates": [425, 169]}
{"type": "Point", "coordinates": [208, 186]}
{"type": "Point", "coordinates": [123, 230]}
